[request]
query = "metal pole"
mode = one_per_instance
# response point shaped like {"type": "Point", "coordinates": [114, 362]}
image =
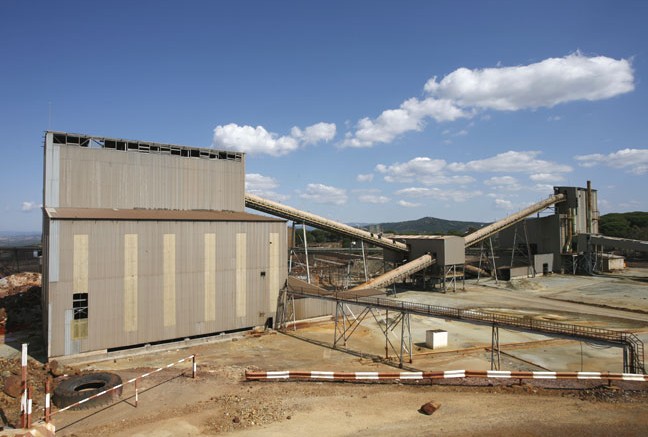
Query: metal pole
{"type": "Point", "coordinates": [136, 392]}
{"type": "Point", "coordinates": [364, 261]}
{"type": "Point", "coordinates": [193, 366]}
{"type": "Point", "coordinates": [490, 240]}
{"type": "Point", "coordinates": [402, 348]}
{"type": "Point", "coordinates": [48, 406]}
{"type": "Point", "coordinates": [306, 253]}
{"type": "Point", "coordinates": [386, 334]}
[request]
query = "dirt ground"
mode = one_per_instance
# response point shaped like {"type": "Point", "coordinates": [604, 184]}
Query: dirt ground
{"type": "Point", "coordinates": [220, 402]}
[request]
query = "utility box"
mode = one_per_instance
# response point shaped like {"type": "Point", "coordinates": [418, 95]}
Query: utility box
{"type": "Point", "coordinates": [436, 338]}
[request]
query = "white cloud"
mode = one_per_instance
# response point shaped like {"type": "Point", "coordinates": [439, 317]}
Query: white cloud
{"type": "Point", "coordinates": [463, 92]}
{"type": "Point", "coordinates": [365, 177]}
{"type": "Point", "coordinates": [543, 84]}
{"type": "Point", "coordinates": [373, 198]}
{"type": "Point", "coordinates": [511, 161]}
{"type": "Point", "coordinates": [424, 170]}
{"type": "Point", "coordinates": [554, 118]}
{"type": "Point", "coordinates": [439, 194]}
{"type": "Point", "coordinates": [30, 206]}
{"type": "Point", "coordinates": [508, 183]}
{"type": "Point", "coordinates": [257, 140]}
{"type": "Point", "coordinates": [410, 116]}
{"type": "Point", "coordinates": [546, 177]}
{"type": "Point", "coordinates": [321, 193]}
{"type": "Point", "coordinates": [263, 186]}
{"type": "Point", "coordinates": [256, 181]}
{"type": "Point", "coordinates": [633, 160]}
{"type": "Point", "coordinates": [504, 204]}
{"type": "Point", "coordinates": [315, 133]}
{"type": "Point", "coordinates": [407, 204]}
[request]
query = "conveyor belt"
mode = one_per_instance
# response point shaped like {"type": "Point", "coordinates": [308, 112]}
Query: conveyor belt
{"type": "Point", "coordinates": [494, 228]}
{"type": "Point", "coordinates": [279, 210]}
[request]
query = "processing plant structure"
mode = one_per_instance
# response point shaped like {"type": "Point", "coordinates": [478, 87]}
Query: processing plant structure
{"type": "Point", "coordinates": [146, 242]}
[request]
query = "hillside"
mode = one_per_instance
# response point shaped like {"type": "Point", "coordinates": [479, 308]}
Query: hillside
{"type": "Point", "coordinates": [632, 225]}
{"type": "Point", "coordinates": [430, 225]}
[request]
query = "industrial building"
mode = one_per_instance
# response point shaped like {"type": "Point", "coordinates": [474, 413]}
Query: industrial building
{"type": "Point", "coordinates": [146, 242]}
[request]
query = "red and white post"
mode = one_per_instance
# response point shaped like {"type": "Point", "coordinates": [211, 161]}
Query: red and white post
{"type": "Point", "coordinates": [23, 387]}
{"type": "Point", "coordinates": [48, 405]}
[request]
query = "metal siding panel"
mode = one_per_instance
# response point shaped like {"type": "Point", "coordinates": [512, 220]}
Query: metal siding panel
{"type": "Point", "coordinates": [53, 252]}
{"type": "Point", "coordinates": [130, 282]}
{"type": "Point", "coordinates": [102, 178]}
{"type": "Point", "coordinates": [241, 274]}
{"type": "Point", "coordinates": [210, 277]}
{"type": "Point", "coordinates": [169, 272]}
{"type": "Point", "coordinates": [80, 264]}
{"type": "Point", "coordinates": [273, 272]}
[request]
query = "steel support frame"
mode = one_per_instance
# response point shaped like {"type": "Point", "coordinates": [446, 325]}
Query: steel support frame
{"type": "Point", "coordinates": [345, 326]}
{"type": "Point", "coordinates": [495, 349]}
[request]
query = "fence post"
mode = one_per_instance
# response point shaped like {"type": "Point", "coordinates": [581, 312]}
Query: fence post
{"type": "Point", "coordinates": [48, 387]}
{"type": "Point", "coordinates": [23, 387]}
{"type": "Point", "coordinates": [29, 406]}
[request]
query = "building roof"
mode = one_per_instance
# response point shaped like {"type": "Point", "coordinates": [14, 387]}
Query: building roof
{"type": "Point", "coordinates": [155, 215]}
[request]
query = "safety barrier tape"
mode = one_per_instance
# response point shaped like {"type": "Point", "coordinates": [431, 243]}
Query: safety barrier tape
{"type": "Point", "coordinates": [447, 374]}
{"type": "Point", "coordinates": [130, 381]}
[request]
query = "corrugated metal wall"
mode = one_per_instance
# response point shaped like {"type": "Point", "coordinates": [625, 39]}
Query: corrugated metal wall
{"type": "Point", "coordinates": [82, 177]}
{"type": "Point", "coordinates": [152, 281]}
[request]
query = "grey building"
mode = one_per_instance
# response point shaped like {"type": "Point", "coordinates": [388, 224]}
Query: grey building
{"type": "Point", "coordinates": [147, 242]}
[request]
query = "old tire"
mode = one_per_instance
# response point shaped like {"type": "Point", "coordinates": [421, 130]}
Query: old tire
{"type": "Point", "coordinates": [76, 388]}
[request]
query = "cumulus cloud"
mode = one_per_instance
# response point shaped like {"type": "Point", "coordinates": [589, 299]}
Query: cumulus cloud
{"type": "Point", "coordinates": [263, 186]}
{"type": "Point", "coordinates": [504, 204]}
{"type": "Point", "coordinates": [511, 161]}
{"type": "Point", "coordinates": [30, 206]}
{"type": "Point", "coordinates": [546, 177]}
{"type": "Point", "coordinates": [321, 193]}
{"type": "Point", "coordinates": [632, 160]}
{"type": "Point", "coordinates": [315, 133]}
{"type": "Point", "coordinates": [503, 182]}
{"type": "Point", "coordinates": [410, 116]}
{"type": "Point", "coordinates": [376, 199]}
{"type": "Point", "coordinates": [463, 92]}
{"type": "Point", "coordinates": [543, 84]}
{"type": "Point", "coordinates": [424, 170]}
{"type": "Point", "coordinates": [257, 140]}
{"type": "Point", "coordinates": [407, 204]}
{"type": "Point", "coordinates": [365, 177]}
{"type": "Point", "coordinates": [439, 194]}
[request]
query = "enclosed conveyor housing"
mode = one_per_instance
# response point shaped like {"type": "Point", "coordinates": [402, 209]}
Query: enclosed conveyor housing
{"type": "Point", "coordinates": [494, 228]}
{"type": "Point", "coordinates": [397, 274]}
{"type": "Point", "coordinates": [279, 210]}
{"type": "Point", "coordinates": [585, 240]}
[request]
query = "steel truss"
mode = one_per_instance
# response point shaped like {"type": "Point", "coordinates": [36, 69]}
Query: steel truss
{"type": "Point", "coordinates": [346, 323]}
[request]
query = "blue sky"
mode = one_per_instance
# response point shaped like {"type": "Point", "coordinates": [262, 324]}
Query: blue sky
{"type": "Point", "coordinates": [361, 111]}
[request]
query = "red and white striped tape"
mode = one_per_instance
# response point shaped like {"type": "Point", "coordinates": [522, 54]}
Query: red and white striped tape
{"type": "Point", "coordinates": [447, 374]}
{"type": "Point", "coordinates": [130, 381]}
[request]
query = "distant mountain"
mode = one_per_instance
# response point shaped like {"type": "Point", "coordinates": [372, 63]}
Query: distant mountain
{"type": "Point", "coordinates": [429, 225]}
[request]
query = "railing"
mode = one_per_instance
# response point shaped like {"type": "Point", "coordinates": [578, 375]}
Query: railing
{"type": "Point", "coordinates": [626, 339]}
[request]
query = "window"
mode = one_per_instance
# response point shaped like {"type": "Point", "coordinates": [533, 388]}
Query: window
{"type": "Point", "coordinates": [80, 305]}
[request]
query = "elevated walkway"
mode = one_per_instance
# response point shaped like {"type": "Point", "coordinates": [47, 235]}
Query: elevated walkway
{"type": "Point", "coordinates": [633, 356]}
